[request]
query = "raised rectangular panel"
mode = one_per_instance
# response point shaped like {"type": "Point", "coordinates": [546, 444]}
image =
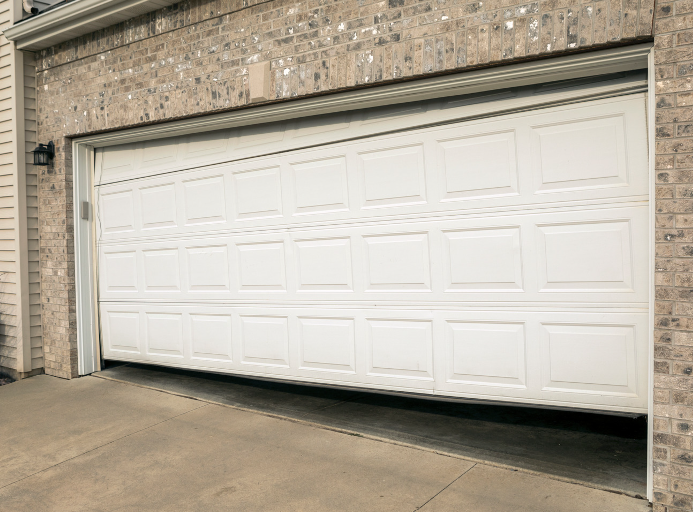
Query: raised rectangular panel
{"type": "Point", "coordinates": [158, 206]}
{"type": "Point", "coordinates": [401, 348]}
{"type": "Point", "coordinates": [327, 344]}
{"type": "Point", "coordinates": [116, 161]}
{"type": "Point", "coordinates": [483, 260]}
{"type": "Point", "coordinates": [321, 185]}
{"type": "Point", "coordinates": [258, 193]}
{"type": "Point", "coordinates": [580, 154]}
{"type": "Point", "coordinates": [159, 152]}
{"type": "Point", "coordinates": [208, 268]}
{"type": "Point", "coordinates": [161, 270]}
{"type": "Point", "coordinates": [483, 353]}
{"type": "Point", "coordinates": [398, 262]}
{"type": "Point", "coordinates": [393, 176]}
{"type": "Point", "coordinates": [589, 358]}
{"type": "Point", "coordinates": [165, 334]}
{"type": "Point", "coordinates": [204, 200]}
{"type": "Point", "coordinates": [123, 332]}
{"type": "Point", "coordinates": [117, 212]}
{"type": "Point", "coordinates": [592, 256]}
{"type": "Point", "coordinates": [211, 336]}
{"type": "Point", "coordinates": [324, 264]}
{"type": "Point", "coordinates": [261, 266]}
{"type": "Point", "coordinates": [201, 145]}
{"type": "Point", "coordinates": [479, 166]}
{"type": "Point", "coordinates": [265, 340]}
{"type": "Point", "coordinates": [120, 269]}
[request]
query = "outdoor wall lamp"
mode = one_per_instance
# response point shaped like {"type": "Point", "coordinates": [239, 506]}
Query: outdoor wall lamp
{"type": "Point", "coordinates": [44, 154]}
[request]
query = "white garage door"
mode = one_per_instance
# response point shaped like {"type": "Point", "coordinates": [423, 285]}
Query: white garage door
{"type": "Point", "coordinates": [501, 258]}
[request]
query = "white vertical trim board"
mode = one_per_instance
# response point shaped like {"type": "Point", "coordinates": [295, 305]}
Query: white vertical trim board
{"type": "Point", "coordinates": [87, 315]}
{"type": "Point", "coordinates": [651, 104]}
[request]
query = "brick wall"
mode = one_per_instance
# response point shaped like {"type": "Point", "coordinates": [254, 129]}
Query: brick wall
{"type": "Point", "coordinates": [673, 394]}
{"type": "Point", "coordinates": [191, 59]}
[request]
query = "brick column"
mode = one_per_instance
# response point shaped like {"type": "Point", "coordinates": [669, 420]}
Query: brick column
{"type": "Point", "coordinates": [57, 258]}
{"type": "Point", "coordinates": [673, 394]}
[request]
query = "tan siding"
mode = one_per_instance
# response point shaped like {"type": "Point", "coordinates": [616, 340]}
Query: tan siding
{"type": "Point", "coordinates": [9, 287]}
{"type": "Point", "coordinates": [32, 210]}
{"type": "Point", "coordinates": [8, 341]}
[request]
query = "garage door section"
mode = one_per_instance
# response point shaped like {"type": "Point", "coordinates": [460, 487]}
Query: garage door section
{"type": "Point", "coordinates": [501, 258]}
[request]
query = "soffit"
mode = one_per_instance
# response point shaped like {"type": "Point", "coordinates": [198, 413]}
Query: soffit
{"type": "Point", "coordinates": [66, 21]}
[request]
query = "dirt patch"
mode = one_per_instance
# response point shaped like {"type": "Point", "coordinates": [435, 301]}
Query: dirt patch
{"type": "Point", "coordinates": [4, 381]}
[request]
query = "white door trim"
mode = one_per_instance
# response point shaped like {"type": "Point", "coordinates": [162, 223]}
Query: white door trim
{"type": "Point", "coordinates": [651, 153]}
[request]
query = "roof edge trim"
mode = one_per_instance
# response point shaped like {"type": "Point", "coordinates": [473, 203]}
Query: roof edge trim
{"type": "Point", "coordinates": [64, 22]}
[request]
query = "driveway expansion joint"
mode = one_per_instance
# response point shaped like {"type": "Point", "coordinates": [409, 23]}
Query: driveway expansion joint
{"type": "Point", "coordinates": [455, 480]}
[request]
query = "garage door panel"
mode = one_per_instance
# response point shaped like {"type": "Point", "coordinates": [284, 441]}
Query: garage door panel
{"type": "Point", "coordinates": [486, 353]}
{"type": "Point", "coordinates": [561, 357]}
{"type": "Point", "coordinates": [478, 166]}
{"type": "Point", "coordinates": [468, 166]}
{"type": "Point", "coordinates": [211, 337]}
{"type": "Point", "coordinates": [392, 176]}
{"type": "Point", "coordinates": [579, 257]}
{"type": "Point", "coordinates": [502, 258]}
{"type": "Point", "coordinates": [117, 212]}
{"type": "Point", "coordinates": [204, 200]}
{"type": "Point", "coordinates": [327, 344]}
{"type": "Point", "coordinates": [562, 163]}
{"type": "Point", "coordinates": [585, 256]}
{"type": "Point", "coordinates": [589, 358]}
{"type": "Point", "coordinates": [121, 331]}
{"type": "Point", "coordinates": [320, 185]}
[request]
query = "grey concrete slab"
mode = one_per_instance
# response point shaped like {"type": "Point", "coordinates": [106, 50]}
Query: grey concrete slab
{"type": "Point", "coordinates": [601, 450]}
{"type": "Point", "coordinates": [45, 420]}
{"type": "Point", "coordinates": [489, 489]}
{"type": "Point", "coordinates": [218, 458]}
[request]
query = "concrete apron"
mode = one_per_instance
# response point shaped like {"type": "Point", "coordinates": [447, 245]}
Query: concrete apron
{"type": "Point", "coordinates": [96, 444]}
{"type": "Point", "coordinates": [600, 451]}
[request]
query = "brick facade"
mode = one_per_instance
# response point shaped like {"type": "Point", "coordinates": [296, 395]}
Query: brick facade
{"type": "Point", "coordinates": [673, 394]}
{"type": "Point", "coordinates": [192, 58]}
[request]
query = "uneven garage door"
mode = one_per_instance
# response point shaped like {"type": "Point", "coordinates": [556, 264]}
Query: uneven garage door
{"type": "Point", "coordinates": [501, 257]}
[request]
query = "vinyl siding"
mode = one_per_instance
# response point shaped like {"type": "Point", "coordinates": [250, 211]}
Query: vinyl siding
{"type": "Point", "coordinates": [9, 268]}
{"type": "Point", "coordinates": [30, 141]}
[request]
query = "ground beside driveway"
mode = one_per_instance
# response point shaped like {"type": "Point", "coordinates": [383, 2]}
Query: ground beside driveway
{"type": "Point", "coordinates": [95, 444]}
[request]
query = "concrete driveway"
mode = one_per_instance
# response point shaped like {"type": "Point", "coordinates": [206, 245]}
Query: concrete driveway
{"type": "Point", "coordinates": [95, 444]}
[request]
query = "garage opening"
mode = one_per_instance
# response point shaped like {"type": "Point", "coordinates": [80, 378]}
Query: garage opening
{"type": "Point", "coordinates": [493, 246]}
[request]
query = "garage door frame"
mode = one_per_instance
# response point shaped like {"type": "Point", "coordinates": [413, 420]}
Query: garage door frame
{"type": "Point", "coordinates": [582, 65]}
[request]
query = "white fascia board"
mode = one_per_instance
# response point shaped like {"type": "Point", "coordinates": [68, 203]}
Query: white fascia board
{"type": "Point", "coordinates": [72, 20]}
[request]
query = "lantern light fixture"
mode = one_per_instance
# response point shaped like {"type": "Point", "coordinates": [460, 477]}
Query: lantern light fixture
{"type": "Point", "coordinates": [43, 154]}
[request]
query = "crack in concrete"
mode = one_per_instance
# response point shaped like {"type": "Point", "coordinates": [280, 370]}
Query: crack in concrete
{"type": "Point", "coordinates": [436, 494]}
